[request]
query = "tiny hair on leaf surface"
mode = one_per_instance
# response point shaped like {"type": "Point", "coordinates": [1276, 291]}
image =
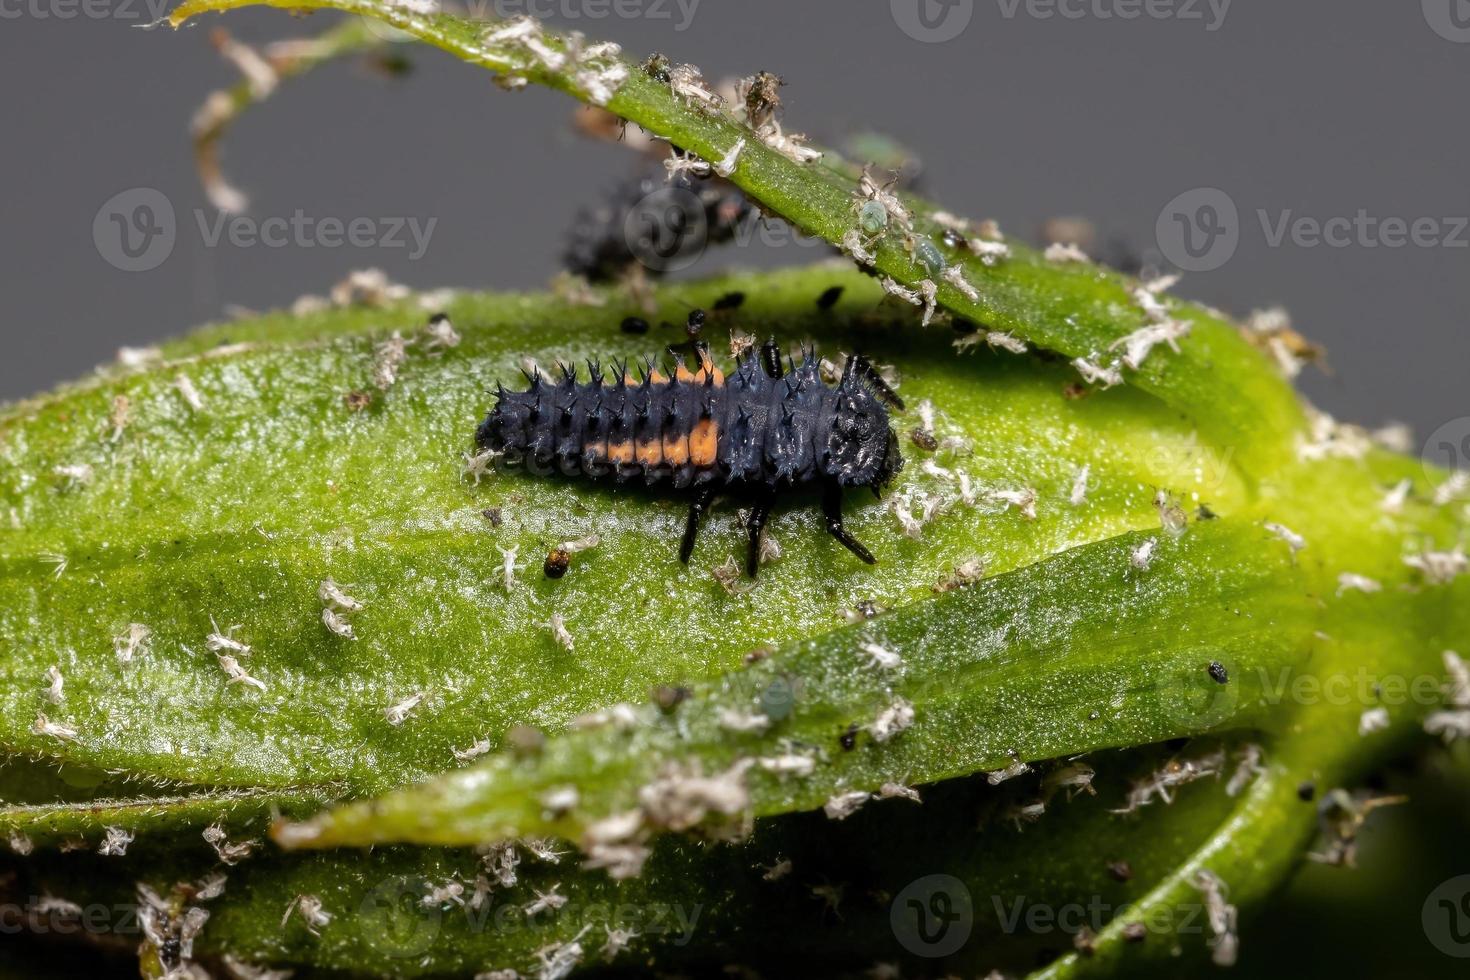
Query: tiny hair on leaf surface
{"type": "Point", "coordinates": [289, 657]}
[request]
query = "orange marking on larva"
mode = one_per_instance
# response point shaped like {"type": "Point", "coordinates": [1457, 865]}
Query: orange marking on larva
{"type": "Point", "coordinates": [650, 453]}
{"type": "Point", "coordinates": [704, 441]}
{"type": "Point", "coordinates": [620, 452]}
{"type": "Point", "coordinates": [658, 378]}
{"type": "Point", "coordinates": [682, 373]}
{"type": "Point", "coordinates": [676, 448]}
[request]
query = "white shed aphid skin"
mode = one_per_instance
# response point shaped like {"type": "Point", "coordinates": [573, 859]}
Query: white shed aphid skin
{"type": "Point", "coordinates": [898, 791]}
{"type": "Point", "coordinates": [1173, 774]}
{"type": "Point", "coordinates": [337, 625]}
{"type": "Point", "coordinates": [509, 566]}
{"type": "Point", "coordinates": [388, 357]}
{"type": "Point", "coordinates": [776, 870]}
{"type": "Point", "coordinates": [617, 941]}
{"type": "Point", "coordinates": [906, 521]}
{"type": "Point", "coordinates": [924, 295]}
{"type": "Point", "coordinates": [45, 726]}
{"type": "Point", "coordinates": [1094, 373]}
{"type": "Point", "coordinates": [189, 393]}
{"type": "Point", "coordinates": [1458, 689]}
{"type": "Point", "coordinates": [1000, 340]}
{"type": "Point", "coordinates": [955, 276]}
{"type": "Point", "coordinates": [442, 896]}
{"type": "Point", "coordinates": [559, 632]}
{"type": "Point", "coordinates": [1248, 767]}
{"type": "Point", "coordinates": [844, 805]}
{"type": "Point", "coordinates": [1373, 720]}
{"type": "Point", "coordinates": [731, 160]}
{"type": "Point", "coordinates": [1074, 778]}
{"type": "Point", "coordinates": [1453, 724]}
{"type": "Point", "coordinates": [1140, 343]}
{"type": "Point", "coordinates": [547, 901]}
{"type": "Point", "coordinates": [790, 764]}
{"type": "Point", "coordinates": [332, 596]}
{"type": "Point", "coordinates": [238, 969]}
{"type": "Point", "coordinates": [1023, 500]}
{"type": "Point", "coordinates": [1078, 497]}
{"type": "Point", "coordinates": [229, 854]}
{"type": "Point", "coordinates": [731, 578]}
{"type": "Point", "coordinates": [1439, 567]}
{"type": "Point", "coordinates": [1221, 917]}
{"type": "Point", "coordinates": [119, 417]}
{"type": "Point", "coordinates": [989, 252]}
{"type": "Point", "coordinates": [1393, 501]}
{"type": "Point", "coordinates": [137, 358]}
{"type": "Point", "coordinates": [397, 714]}
{"type": "Point", "coordinates": [54, 683]}
{"type": "Point", "coordinates": [115, 843]}
{"type": "Point", "coordinates": [1143, 555]}
{"type": "Point", "coordinates": [1059, 252]}
{"type": "Point", "coordinates": [680, 799]}
{"type": "Point", "coordinates": [74, 475]}
{"type": "Point", "coordinates": [218, 642]}
{"type": "Point", "coordinates": [1023, 813]}
{"type": "Point", "coordinates": [743, 722]}
{"type": "Point", "coordinates": [621, 716]}
{"type": "Point", "coordinates": [543, 849]}
{"type": "Point", "coordinates": [1351, 582]}
{"type": "Point", "coordinates": [892, 720]}
{"type": "Point", "coordinates": [482, 747]}
{"type": "Point", "coordinates": [311, 911]}
{"type": "Point", "coordinates": [500, 861]}
{"type": "Point", "coordinates": [679, 164]}
{"type": "Point", "coordinates": [236, 673]}
{"type": "Point", "coordinates": [20, 844]}
{"type": "Point", "coordinates": [1328, 438]}
{"type": "Point", "coordinates": [580, 544]}
{"type": "Point", "coordinates": [480, 465]}
{"type": "Point", "coordinates": [440, 333]}
{"type": "Point", "coordinates": [854, 245]}
{"type": "Point", "coordinates": [1016, 768]}
{"type": "Point", "coordinates": [880, 657]}
{"type": "Point", "coordinates": [687, 82]}
{"type": "Point", "coordinates": [558, 960]}
{"type": "Point", "coordinates": [1452, 488]}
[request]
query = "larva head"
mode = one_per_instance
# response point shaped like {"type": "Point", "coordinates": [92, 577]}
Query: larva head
{"type": "Point", "coordinates": [862, 450]}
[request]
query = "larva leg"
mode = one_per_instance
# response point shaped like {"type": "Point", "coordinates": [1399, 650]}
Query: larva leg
{"type": "Point", "coordinates": [832, 509]}
{"type": "Point", "coordinates": [701, 504]}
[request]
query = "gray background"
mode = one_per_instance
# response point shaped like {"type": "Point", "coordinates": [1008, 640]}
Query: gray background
{"type": "Point", "coordinates": [1323, 107]}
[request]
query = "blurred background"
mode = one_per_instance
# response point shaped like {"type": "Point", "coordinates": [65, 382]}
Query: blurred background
{"type": "Point", "coordinates": [1301, 154]}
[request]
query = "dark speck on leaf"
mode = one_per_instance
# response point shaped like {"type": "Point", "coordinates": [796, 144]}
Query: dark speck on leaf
{"type": "Point", "coordinates": [848, 739]}
{"type": "Point", "coordinates": [635, 324]}
{"type": "Point", "coordinates": [1306, 792]}
{"type": "Point", "coordinates": [492, 514]}
{"type": "Point", "coordinates": [730, 301]}
{"type": "Point", "coordinates": [829, 298]}
{"type": "Point", "coordinates": [1218, 674]}
{"type": "Point", "coordinates": [668, 697]}
{"type": "Point", "coordinates": [557, 563]}
{"type": "Point", "coordinates": [1120, 870]}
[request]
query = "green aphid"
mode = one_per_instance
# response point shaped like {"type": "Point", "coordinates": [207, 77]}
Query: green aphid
{"type": "Point", "coordinates": [873, 218]}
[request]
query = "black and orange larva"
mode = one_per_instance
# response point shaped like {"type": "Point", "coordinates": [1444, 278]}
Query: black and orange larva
{"type": "Point", "coordinates": [761, 431]}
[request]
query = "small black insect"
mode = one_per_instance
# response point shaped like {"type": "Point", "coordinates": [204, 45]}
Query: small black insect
{"type": "Point", "coordinates": [635, 324]}
{"type": "Point", "coordinates": [829, 297]}
{"type": "Point", "coordinates": [770, 427]}
{"type": "Point", "coordinates": [730, 301]}
{"type": "Point", "coordinates": [1218, 673]}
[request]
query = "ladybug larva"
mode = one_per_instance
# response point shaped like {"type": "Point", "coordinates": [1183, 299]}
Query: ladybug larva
{"type": "Point", "coordinates": [772, 426]}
